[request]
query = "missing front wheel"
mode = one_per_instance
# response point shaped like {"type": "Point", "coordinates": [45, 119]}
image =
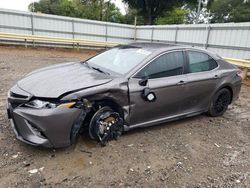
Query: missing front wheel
{"type": "Point", "coordinates": [105, 125]}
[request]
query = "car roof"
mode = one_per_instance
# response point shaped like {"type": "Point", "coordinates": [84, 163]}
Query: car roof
{"type": "Point", "coordinates": [156, 45]}
{"type": "Point", "coordinates": [160, 47]}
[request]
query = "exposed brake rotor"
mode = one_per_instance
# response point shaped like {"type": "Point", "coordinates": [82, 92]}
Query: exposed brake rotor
{"type": "Point", "coordinates": [105, 125]}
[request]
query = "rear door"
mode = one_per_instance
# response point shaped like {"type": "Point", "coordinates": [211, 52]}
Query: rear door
{"type": "Point", "coordinates": [203, 78]}
{"type": "Point", "coordinates": [166, 79]}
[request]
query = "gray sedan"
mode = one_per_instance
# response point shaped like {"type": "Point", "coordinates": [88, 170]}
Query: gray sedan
{"type": "Point", "coordinates": [126, 87]}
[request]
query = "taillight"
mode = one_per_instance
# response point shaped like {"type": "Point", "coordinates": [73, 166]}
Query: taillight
{"type": "Point", "coordinates": [240, 74]}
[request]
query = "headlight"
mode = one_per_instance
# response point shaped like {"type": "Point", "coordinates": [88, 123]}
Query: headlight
{"type": "Point", "coordinates": [38, 104]}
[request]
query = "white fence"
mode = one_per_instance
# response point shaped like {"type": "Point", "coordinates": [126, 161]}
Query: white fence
{"type": "Point", "coordinates": [60, 26]}
{"type": "Point", "coordinates": [230, 40]}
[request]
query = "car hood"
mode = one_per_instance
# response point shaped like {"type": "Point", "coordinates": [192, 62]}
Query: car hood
{"type": "Point", "coordinates": [54, 81]}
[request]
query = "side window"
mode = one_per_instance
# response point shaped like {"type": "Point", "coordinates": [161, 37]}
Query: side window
{"type": "Point", "coordinates": [200, 62]}
{"type": "Point", "coordinates": [170, 64]}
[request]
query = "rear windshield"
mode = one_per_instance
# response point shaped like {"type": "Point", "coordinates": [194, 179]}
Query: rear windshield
{"type": "Point", "coordinates": [120, 60]}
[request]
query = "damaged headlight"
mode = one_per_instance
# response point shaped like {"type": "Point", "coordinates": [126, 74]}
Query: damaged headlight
{"type": "Point", "coordinates": [38, 104]}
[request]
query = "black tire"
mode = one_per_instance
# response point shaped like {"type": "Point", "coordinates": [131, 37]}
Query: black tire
{"type": "Point", "coordinates": [115, 130]}
{"type": "Point", "coordinates": [220, 102]}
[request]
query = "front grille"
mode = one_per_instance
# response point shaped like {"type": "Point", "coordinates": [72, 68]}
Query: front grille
{"type": "Point", "coordinates": [15, 104]}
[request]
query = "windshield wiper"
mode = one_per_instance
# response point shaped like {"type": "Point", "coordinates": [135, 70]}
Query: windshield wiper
{"type": "Point", "coordinates": [98, 69]}
{"type": "Point", "coordinates": [95, 68]}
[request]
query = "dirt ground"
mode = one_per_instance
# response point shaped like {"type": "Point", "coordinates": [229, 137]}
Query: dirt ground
{"type": "Point", "coordinates": [196, 152]}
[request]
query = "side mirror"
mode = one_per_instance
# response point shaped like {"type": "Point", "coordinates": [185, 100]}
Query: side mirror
{"type": "Point", "coordinates": [148, 95]}
{"type": "Point", "coordinates": [143, 82]}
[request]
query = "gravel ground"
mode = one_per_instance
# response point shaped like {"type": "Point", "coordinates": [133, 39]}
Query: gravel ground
{"type": "Point", "coordinates": [194, 152]}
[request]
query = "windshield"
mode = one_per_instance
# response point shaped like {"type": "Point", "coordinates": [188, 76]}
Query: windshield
{"type": "Point", "coordinates": [119, 59]}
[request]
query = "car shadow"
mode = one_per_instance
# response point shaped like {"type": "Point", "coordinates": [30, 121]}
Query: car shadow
{"type": "Point", "coordinates": [85, 140]}
{"type": "Point", "coordinates": [166, 125]}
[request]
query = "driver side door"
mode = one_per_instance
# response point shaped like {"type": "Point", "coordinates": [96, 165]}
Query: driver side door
{"type": "Point", "coordinates": [166, 79]}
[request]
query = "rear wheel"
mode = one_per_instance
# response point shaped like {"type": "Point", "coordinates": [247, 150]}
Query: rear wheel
{"type": "Point", "coordinates": [105, 125]}
{"type": "Point", "coordinates": [220, 103]}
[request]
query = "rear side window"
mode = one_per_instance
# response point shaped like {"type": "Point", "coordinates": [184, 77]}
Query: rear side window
{"type": "Point", "coordinates": [200, 62]}
{"type": "Point", "coordinates": [170, 64]}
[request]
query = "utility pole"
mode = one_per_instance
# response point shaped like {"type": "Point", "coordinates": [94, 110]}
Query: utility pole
{"type": "Point", "coordinates": [198, 12]}
{"type": "Point", "coordinates": [33, 6]}
{"type": "Point", "coordinates": [135, 27]}
{"type": "Point", "coordinates": [107, 11]}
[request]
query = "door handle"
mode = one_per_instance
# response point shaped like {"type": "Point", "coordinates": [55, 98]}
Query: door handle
{"type": "Point", "coordinates": [216, 76]}
{"type": "Point", "coordinates": [180, 83]}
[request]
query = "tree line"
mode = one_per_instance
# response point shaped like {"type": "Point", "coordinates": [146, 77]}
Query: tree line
{"type": "Point", "coordinates": [149, 12]}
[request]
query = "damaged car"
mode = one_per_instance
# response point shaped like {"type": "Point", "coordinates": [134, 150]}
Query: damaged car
{"type": "Point", "coordinates": [125, 87]}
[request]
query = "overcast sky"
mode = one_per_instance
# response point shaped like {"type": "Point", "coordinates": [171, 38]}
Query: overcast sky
{"type": "Point", "coordinates": [23, 4]}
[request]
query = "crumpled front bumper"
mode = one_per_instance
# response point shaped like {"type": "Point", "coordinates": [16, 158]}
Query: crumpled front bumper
{"type": "Point", "coordinates": [42, 127]}
{"type": "Point", "coordinates": [33, 138]}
